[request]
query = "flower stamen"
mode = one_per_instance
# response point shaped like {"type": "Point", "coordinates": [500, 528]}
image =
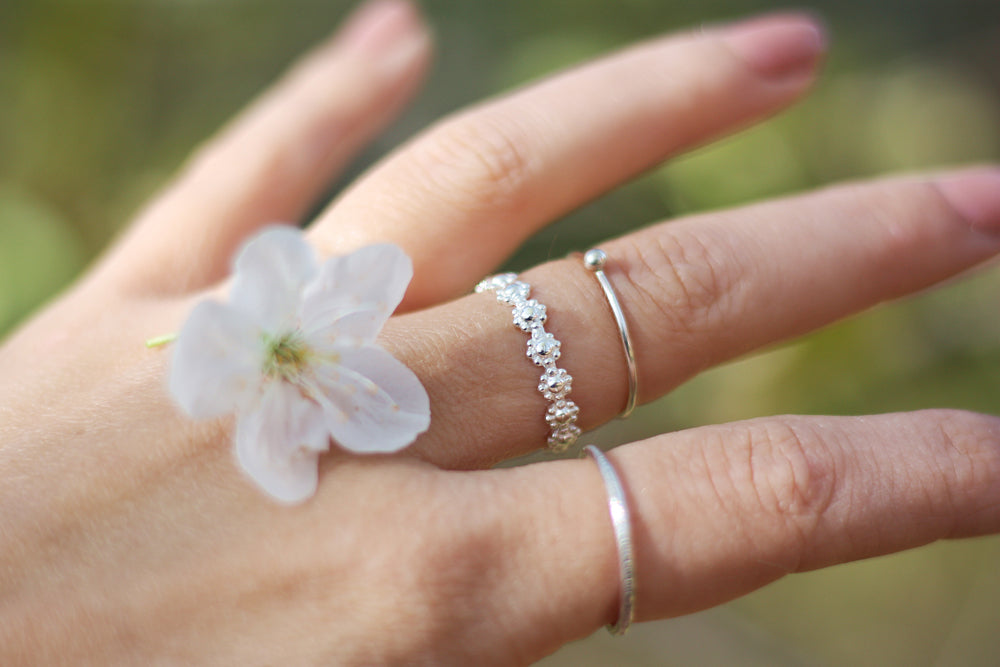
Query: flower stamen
{"type": "Point", "coordinates": [285, 357]}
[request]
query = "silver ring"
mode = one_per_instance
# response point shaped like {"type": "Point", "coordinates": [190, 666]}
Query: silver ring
{"type": "Point", "coordinates": [555, 383]}
{"type": "Point", "coordinates": [620, 521]}
{"type": "Point", "coordinates": [594, 260]}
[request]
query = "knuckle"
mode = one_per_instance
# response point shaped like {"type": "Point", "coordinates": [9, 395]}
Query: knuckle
{"type": "Point", "coordinates": [680, 278]}
{"type": "Point", "coordinates": [957, 429]}
{"type": "Point", "coordinates": [904, 213]}
{"type": "Point", "coordinates": [788, 478]}
{"type": "Point", "coordinates": [481, 159]}
{"type": "Point", "coordinates": [964, 455]}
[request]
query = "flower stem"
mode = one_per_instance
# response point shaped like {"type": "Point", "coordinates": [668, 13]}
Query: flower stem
{"type": "Point", "coordinates": [161, 340]}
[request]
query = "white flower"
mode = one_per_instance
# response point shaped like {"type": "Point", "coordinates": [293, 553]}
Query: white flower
{"type": "Point", "coordinates": [293, 355]}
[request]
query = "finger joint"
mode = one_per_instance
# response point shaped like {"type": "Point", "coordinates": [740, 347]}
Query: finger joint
{"type": "Point", "coordinates": [480, 160]}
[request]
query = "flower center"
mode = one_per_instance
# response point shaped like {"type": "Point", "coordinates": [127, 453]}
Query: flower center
{"type": "Point", "coordinates": [285, 356]}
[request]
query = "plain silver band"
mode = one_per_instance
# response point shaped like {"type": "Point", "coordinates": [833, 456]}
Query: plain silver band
{"type": "Point", "coordinates": [618, 507]}
{"type": "Point", "coordinates": [616, 308]}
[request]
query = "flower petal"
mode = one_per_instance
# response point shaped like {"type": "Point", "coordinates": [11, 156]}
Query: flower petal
{"type": "Point", "coordinates": [355, 294]}
{"type": "Point", "coordinates": [270, 273]}
{"type": "Point", "coordinates": [215, 367]}
{"type": "Point", "coordinates": [372, 402]}
{"type": "Point", "coordinates": [277, 444]}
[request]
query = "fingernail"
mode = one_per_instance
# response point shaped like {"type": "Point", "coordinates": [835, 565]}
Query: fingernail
{"type": "Point", "coordinates": [378, 26]}
{"type": "Point", "coordinates": [975, 194]}
{"type": "Point", "coordinates": [778, 46]}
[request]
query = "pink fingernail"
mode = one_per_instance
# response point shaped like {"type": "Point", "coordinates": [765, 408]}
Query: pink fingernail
{"type": "Point", "coordinates": [379, 25]}
{"type": "Point", "coordinates": [975, 194]}
{"type": "Point", "coordinates": [778, 46]}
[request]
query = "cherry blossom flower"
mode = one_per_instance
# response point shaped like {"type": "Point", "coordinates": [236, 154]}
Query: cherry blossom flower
{"type": "Point", "coordinates": [293, 355]}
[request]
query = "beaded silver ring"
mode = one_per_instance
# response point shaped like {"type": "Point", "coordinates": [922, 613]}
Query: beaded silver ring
{"type": "Point", "coordinates": [555, 383]}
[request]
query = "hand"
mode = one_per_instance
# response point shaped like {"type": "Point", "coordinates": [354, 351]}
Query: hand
{"type": "Point", "coordinates": [130, 536]}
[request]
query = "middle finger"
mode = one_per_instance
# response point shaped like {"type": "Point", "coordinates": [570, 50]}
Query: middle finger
{"type": "Point", "coordinates": [463, 196]}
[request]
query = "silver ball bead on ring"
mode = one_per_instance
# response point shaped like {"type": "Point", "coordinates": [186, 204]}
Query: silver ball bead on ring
{"type": "Point", "coordinates": [595, 259]}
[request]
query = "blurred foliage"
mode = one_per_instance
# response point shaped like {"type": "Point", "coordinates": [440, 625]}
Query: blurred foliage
{"type": "Point", "coordinates": [102, 99]}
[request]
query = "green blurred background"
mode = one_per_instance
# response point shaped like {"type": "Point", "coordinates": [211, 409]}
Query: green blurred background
{"type": "Point", "coordinates": [100, 100]}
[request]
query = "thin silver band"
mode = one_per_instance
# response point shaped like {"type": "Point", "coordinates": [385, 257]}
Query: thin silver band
{"type": "Point", "coordinates": [594, 260]}
{"type": "Point", "coordinates": [621, 522]}
{"type": "Point", "coordinates": [555, 383]}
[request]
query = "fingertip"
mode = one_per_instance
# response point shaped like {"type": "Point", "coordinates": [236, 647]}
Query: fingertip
{"type": "Point", "coordinates": [974, 193]}
{"type": "Point", "coordinates": [381, 28]}
{"type": "Point", "coordinates": [779, 46]}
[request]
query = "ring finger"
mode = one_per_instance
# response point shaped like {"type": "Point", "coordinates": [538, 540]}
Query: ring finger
{"type": "Point", "coordinates": [695, 292]}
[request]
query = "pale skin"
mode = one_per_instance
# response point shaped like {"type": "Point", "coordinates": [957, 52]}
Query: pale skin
{"type": "Point", "coordinates": [130, 536]}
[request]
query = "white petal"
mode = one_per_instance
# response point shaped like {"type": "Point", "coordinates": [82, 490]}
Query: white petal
{"type": "Point", "coordinates": [270, 273]}
{"type": "Point", "coordinates": [216, 362]}
{"type": "Point", "coordinates": [355, 294]}
{"type": "Point", "coordinates": [276, 443]}
{"type": "Point", "coordinates": [300, 419]}
{"type": "Point", "coordinates": [374, 403]}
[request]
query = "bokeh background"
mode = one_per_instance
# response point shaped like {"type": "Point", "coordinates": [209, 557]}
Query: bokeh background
{"type": "Point", "coordinates": [100, 101]}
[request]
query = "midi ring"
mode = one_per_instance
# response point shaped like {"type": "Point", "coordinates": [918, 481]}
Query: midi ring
{"type": "Point", "coordinates": [555, 383]}
{"type": "Point", "coordinates": [621, 522]}
{"type": "Point", "coordinates": [594, 261]}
